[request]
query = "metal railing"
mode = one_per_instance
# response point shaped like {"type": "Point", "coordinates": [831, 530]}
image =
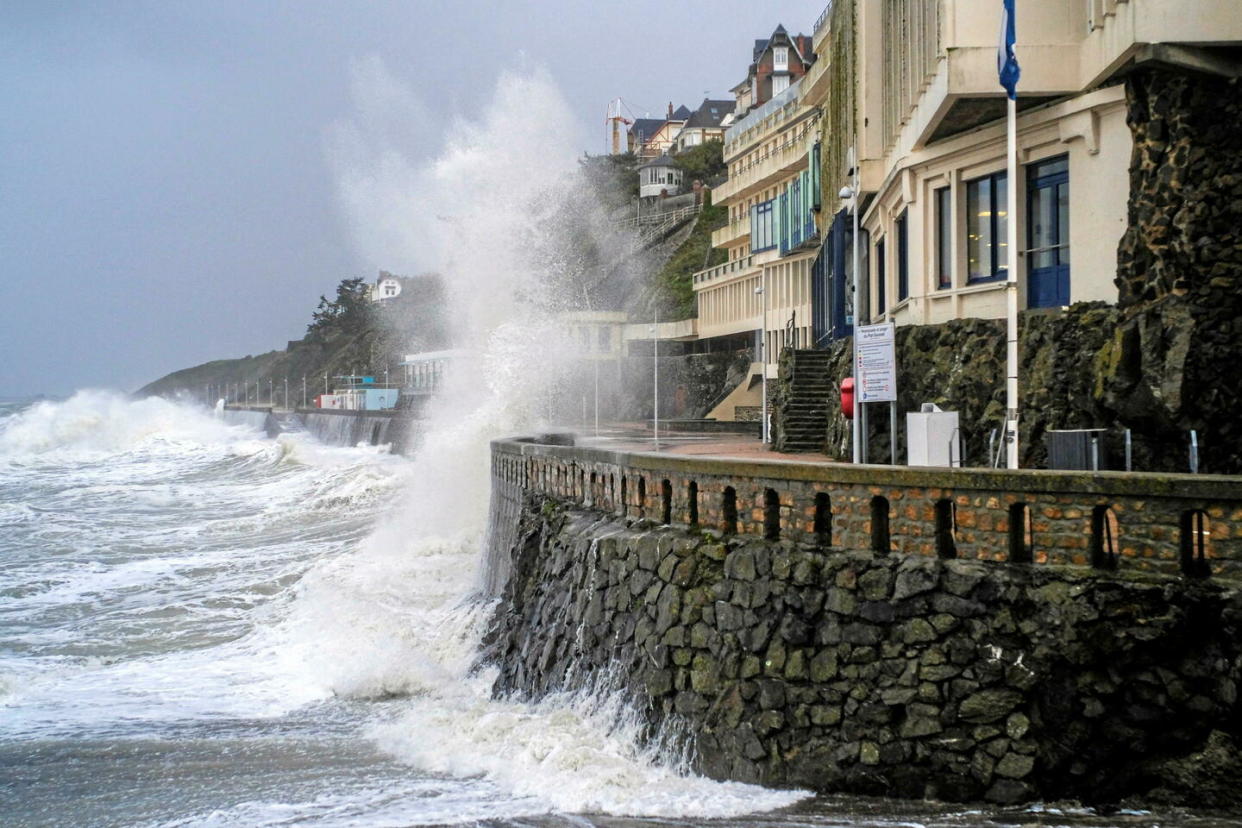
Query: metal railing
{"type": "Point", "coordinates": [732, 266]}
{"type": "Point", "coordinates": [822, 20]}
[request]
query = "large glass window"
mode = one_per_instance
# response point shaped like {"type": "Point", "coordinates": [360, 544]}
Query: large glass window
{"type": "Point", "coordinates": [762, 226]}
{"type": "Point", "coordinates": [944, 238]}
{"type": "Point", "coordinates": [903, 259]}
{"type": "Point", "coordinates": [986, 219]}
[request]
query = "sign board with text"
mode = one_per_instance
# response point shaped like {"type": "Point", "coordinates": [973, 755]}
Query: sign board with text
{"type": "Point", "coordinates": [877, 363]}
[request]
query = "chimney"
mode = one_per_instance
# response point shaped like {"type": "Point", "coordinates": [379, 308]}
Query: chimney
{"type": "Point", "coordinates": [670, 109]}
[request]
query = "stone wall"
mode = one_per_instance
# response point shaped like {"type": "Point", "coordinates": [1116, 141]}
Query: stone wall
{"type": "Point", "coordinates": [804, 651]}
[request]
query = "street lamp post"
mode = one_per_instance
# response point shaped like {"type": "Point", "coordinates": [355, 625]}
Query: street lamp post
{"type": "Point", "coordinates": [655, 379]}
{"type": "Point", "coordinates": [762, 293]}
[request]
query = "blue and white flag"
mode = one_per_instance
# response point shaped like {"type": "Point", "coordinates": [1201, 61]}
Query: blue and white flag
{"type": "Point", "coordinates": [1006, 61]}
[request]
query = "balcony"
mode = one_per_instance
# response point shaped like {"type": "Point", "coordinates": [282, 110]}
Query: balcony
{"type": "Point", "coordinates": [731, 233]}
{"type": "Point", "coordinates": [763, 169]}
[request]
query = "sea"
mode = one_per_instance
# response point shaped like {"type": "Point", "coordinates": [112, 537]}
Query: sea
{"type": "Point", "coordinates": [202, 626]}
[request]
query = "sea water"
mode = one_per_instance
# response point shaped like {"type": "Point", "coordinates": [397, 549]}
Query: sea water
{"type": "Point", "coordinates": [203, 626]}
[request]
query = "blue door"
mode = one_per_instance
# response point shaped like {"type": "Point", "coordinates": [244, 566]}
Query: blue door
{"type": "Point", "coordinates": [1048, 264]}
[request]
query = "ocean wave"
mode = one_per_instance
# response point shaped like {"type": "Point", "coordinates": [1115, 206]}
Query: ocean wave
{"type": "Point", "coordinates": [106, 422]}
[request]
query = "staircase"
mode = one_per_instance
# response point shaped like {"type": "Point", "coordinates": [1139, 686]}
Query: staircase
{"type": "Point", "coordinates": [810, 394]}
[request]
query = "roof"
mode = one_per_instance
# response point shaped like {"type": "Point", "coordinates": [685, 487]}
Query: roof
{"type": "Point", "coordinates": [680, 114]}
{"type": "Point", "coordinates": [644, 128]}
{"type": "Point", "coordinates": [800, 43]}
{"type": "Point", "coordinates": [710, 113]}
{"type": "Point", "coordinates": [662, 161]}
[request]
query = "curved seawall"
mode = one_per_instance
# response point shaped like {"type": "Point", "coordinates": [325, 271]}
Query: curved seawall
{"type": "Point", "coordinates": [335, 428]}
{"type": "Point", "coordinates": [915, 632]}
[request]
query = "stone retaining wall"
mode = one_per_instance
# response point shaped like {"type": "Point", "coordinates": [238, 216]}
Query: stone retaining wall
{"type": "Point", "coordinates": [817, 659]}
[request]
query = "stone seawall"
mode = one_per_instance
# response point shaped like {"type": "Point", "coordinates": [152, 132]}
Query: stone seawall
{"type": "Point", "coordinates": [798, 645]}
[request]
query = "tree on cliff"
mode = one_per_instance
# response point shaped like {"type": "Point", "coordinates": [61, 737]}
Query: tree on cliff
{"type": "Point", "coordinates": [349, 312]}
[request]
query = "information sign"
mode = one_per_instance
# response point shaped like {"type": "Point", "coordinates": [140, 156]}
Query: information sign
{"type": "Point", "coordinates": [877, 363]}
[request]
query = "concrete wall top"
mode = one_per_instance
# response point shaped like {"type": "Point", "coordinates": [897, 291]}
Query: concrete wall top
{"type": "Point", "coordinates": [1182, 486]}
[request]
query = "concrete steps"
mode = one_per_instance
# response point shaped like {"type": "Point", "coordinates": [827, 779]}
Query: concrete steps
{"type": "Point", "coordinates": [804, 420]}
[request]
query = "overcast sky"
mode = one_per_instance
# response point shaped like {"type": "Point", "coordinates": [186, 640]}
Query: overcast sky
{"type": "Point", "coordinates": [166, 191]}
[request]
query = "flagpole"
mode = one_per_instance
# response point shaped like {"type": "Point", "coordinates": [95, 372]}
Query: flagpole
{"type": "Point", "coordinates": [1011, 452]}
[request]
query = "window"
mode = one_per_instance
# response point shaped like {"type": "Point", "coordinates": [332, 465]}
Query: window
{"type": "Point", "coordinates": [880, 276]}
{"type": "Point", "coordinates": [986, 215]}
{"type": "Point", "coordinates": [605, 340]}
{"type": "Point", "coordinates": [903, 255]}
{"type": "Point", "coordinates": [944, 238]}
{"type": "Point", "coordinates": [762, 226]}
{"type": "Point", "coordinates": [779, 84]}
{"type": "Point", "coordinates": [780, 58]}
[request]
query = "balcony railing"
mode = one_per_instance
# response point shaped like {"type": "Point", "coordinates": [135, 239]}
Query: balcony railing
{"type": "Point", "coordinates": [785, 157]}
{"type": "Point", "coordinates": [722, 270]}
{"type": "Point", "coordinates": [756, 116]}
{"type": "Point", "coordinates": [822, 20]}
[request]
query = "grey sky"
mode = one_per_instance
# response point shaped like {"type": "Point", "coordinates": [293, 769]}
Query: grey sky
{"type": "Point", "coordinates": [165, 194]}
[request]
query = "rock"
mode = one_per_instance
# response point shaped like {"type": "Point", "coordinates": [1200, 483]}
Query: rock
{"type": "Point", "coordinates": [740, 564]}
{"type": "Point", "coordinates": [824, 666]}
{"type": "Point", "coordinates": [988, 705]}
{"type": "Point", "coordinates": [1015, 766]}
{"type": "Point", "coordinates": [915, 580]}
{"type": "Point", "coordinates": [875, 584]}
{"type": "Point", "coordinates": [869, 753]}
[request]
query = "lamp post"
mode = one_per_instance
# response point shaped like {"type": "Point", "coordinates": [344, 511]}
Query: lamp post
{"type": "Point", "coordinates": [304, 391]}
{"type": "Point", "coordinates": [762, 293]}
{"type": "Point", "coordinates": [655, 378]}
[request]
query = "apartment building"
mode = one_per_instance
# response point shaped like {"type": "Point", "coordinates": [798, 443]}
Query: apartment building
{"type": "Point", "coordinates": [924, 115]}
{"type": "Point", "coordinates": [772, 196]}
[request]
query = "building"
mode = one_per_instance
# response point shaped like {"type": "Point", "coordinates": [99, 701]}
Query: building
{"type": "Point", "coordinates": [924, 114]}
{"type": "Point", "coordinates": [649, 137]}
{"type": "Point", "coordinates": [387, 286]}
{"type": "Point", "coordinates": [772, 197]}
{"type": "Point", "coordinates": [707, 123]}
{"type": "Point", "coordinates": [660, 177]}
{"type": "Point", "coordinates": [777, 62]}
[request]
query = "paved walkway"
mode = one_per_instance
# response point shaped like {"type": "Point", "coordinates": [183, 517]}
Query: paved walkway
{"type": "Point", "coordinates": [634, 437]}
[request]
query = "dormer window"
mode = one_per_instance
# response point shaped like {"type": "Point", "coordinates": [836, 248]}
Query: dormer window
{"type": "Point", "coordinates": [780, 58]}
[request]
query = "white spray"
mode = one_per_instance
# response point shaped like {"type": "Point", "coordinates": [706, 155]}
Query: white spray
{"type": "Point", "coordinates": [394, 618]}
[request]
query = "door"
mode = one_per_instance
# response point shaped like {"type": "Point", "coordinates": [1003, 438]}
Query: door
{"type": "Point", "coordinates": [1047, 255]}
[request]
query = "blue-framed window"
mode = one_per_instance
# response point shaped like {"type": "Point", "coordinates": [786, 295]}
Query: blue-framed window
{"type": "Point", "coordinates": [986, 221]}
{"type": "Point", "coordinates": [763, 226]}
{"type": "Point", "coordinates": [903, 258]}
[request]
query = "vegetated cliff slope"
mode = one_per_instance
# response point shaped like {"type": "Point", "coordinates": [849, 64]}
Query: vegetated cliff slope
{"type": "Point", "coordinates": [348, 334]}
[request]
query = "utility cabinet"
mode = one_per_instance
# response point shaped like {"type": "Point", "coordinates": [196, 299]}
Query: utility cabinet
{"type": "Point", "coordinates": [1078, 448]}
{"type": "Point", "coordinates": [933, 437]}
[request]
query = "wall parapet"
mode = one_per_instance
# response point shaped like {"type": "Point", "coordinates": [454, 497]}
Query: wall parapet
{"type": "Point", "coordinates": [1166, 523]}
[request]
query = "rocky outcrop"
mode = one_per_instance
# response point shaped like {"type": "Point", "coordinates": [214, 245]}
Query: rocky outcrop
{"type": "Point", "coordinates": [848, 670]}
